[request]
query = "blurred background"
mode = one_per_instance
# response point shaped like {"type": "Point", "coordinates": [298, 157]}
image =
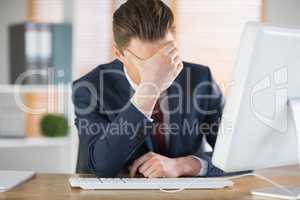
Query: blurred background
{"type": "Point", "coordinates": [45, 44]}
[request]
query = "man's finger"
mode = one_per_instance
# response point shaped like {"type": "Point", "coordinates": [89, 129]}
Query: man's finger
{"type": "Point", "coordinates": [132, 58]}
{"type": "Point", "coordinates": [156, 174]}
{"type": "Point", "coordinates": [139, 162]}
{"type": "Point", "coordinates": [151, 170]}
{"type": "Point", "coordinates": [179, 67]}
{"type": "Point", "coordinates": [146, 165]}
{"type": "Point", "coordinates": [168, 48]}
{"type": "Point", "coordinates": [174, 53]}
{"type": "Point", "coordinates": [177, 61]}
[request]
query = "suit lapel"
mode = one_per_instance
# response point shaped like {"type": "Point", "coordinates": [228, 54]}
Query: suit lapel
{"type": "Point", "coordinates": [121, 85]}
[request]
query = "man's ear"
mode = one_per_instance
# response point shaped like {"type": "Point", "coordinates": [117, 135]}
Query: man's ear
{"type": "Point", "coordinates": [118, 54]}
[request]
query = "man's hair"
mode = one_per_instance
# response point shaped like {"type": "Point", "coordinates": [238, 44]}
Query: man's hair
{"type": "Point", "coordinates": [147, 20]}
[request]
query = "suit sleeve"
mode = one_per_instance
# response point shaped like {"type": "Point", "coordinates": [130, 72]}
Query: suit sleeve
{"type": "Point", "coordinates": [107, 145]}
{"type": "Point", "coordinates": [214, 113]}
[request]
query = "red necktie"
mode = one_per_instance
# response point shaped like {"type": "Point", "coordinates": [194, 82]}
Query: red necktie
{"type": "Point", "coordinates": [159, 136]}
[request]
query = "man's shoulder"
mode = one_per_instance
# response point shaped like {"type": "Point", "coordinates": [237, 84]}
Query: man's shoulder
{"type": "Point", "coordinates": [194, 66]}
{"type": "Point", "coordinates": [93, 77]}
{"type": "Point", "coordinates": [201, 72]}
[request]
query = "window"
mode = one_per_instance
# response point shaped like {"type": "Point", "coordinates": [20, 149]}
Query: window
{"type": "Point", "coordinates": [46, 10]}
{"type": "Point", "coordinates": [93, 31]}
{"type": "Point", "coordinates": [209, 32]}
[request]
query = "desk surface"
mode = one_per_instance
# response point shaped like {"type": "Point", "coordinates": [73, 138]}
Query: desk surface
{"type": "Point", "coordinates": [56, 186]}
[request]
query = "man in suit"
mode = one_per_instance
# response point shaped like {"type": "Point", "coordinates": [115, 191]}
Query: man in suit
{"type": "Point", "coordinates": [147, 112]}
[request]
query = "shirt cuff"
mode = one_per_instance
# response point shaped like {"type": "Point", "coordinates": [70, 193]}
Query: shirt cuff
{"type": "Point", "coordinates": [149, 118]}
{"type": "Point", "coordinates": [204, 166]}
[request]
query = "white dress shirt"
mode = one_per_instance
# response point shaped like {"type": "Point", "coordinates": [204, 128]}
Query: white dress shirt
{"type": "Point", "coordinates": [166, 118]}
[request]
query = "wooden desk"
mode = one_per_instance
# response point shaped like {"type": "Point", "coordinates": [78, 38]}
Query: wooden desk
{"type": "Point", "coordinates": [54, 186]}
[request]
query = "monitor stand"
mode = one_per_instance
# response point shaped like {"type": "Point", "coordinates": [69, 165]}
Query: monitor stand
{"type": "Point", "coordinates": [286, 192]}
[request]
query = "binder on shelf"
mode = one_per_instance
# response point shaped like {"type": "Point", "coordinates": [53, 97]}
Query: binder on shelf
{"type": "Point", "coordinates": [40, 53]}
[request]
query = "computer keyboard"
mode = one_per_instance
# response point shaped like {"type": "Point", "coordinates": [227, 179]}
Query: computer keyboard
{"type": "Point", "coordinates": [148, 184]}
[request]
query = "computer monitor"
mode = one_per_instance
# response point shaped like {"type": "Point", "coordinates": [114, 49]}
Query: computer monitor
{"type": "Point", "coordinates": [261, 119]}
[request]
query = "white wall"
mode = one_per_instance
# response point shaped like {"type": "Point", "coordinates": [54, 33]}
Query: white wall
{"type": "Point", "coordinates": [11, 11]}
{"type": "Point", "coordinates": [284, 12]}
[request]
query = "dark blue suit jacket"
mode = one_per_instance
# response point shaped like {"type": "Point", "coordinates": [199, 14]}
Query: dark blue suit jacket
{"type": "Point", "coordinates": [113, 132]}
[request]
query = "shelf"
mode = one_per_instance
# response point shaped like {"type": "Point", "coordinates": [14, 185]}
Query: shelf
{"type": "Point", "coordinates": [34, 142]}
{"type": "Point", "coordinates": [62, 88]}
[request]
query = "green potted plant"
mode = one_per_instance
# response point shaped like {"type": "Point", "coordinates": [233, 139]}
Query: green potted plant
{"type": "Point", "coordinates": [54, 125]}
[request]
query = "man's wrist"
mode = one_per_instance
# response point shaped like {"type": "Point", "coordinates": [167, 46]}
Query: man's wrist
{"type": "Point", "coordinates": [145, 98]}
{"type": "Point", "coordinates": [204, 166]}
{"type": "Point", "coordinates": [188, 166]}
